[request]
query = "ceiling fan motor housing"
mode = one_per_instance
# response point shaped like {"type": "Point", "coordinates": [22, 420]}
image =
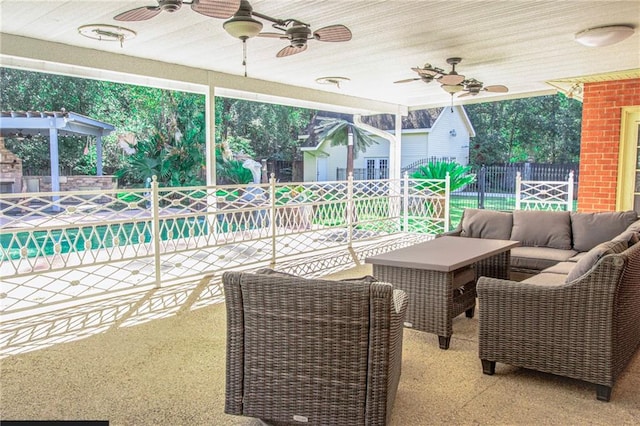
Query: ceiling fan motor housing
{"type": "Point", "coordinates": [170, 5]}
{"type": "Point", "coordinates": [298, 34]}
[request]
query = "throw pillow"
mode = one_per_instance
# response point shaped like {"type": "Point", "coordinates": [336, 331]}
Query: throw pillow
{"type": "Point", "coordinates": [587, 262]}
{"type": "Point", "coordinates": [630, 237]}
{"type": "Point", "coordinates": [591, 229]}
{"type": "Point", "coordinates": [542, 229]}
{"type": "Point", "coordinates": [477, 223]}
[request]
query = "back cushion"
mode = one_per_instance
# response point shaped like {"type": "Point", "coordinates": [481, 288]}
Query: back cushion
{"type": "Point", "coordinates": [591, 229]}
{"type": "Point", "coordinates": [542, 229]}
{"type": "Point", "coordinates": [478, 223]}
{"type": "Point", "coordinates": [591, 258]}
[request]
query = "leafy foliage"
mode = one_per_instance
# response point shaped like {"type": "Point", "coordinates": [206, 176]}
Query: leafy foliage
{"type": "Point", "coordinates": [336, 132]}
{"type": "Point", "coordinates": [543, 129]}
{"type": "Point", "coordinates": [459, 175]}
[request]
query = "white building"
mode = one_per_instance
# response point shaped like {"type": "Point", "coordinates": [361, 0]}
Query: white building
{"type": "Point", "coordinates": [427, 135]}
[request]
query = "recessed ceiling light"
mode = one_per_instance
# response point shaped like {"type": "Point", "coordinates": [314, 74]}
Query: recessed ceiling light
{"type": "Point", "coordinates": [332, 80]}
{"type": "Point", "coordinates": [106, 32]}
{"type": "Point", "coordinates": [604, 36]}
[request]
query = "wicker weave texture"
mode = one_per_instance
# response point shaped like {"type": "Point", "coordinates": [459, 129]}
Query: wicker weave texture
{"type": "Point", "coordinates": [328, 352]}
{"type": "Point", "coordinates": [587, 329]}
{"type": "Point", "coordinates": [432, 305]}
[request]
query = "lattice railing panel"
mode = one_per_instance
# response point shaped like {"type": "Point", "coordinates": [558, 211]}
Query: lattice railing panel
{"type": "Point", "coordinates": [425, 205]}
{"type": "Point", "coordinates": [544, 195]}
{"type": "Point", "coordinates": [65, 247]}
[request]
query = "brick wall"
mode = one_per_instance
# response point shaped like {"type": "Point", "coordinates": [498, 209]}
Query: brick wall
{"type": "Point", "coordinates": [10, 170]}
{"type": "Point", "coordinates": [600, 142]}
{"type": "Point", "coordinates": [72, 183]}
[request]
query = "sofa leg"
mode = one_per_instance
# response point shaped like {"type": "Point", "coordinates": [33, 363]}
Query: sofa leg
{"type": "Point", "coordinates": [444, 342]}
{"type": "Point", "coordinates": [470, 312]}
{"type": "Point", "coordinates": [488, 367]}
{"type": "Point", "coordinates": [603, 393]}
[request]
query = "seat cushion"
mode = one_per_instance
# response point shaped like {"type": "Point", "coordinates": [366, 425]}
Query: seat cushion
{"type": "Point", "coordinates": [591, 229]}
{"type": "Point", "coordinates": [542, 229]}
{"type": "Point", "coordinates": [478, 223]}
{"type": "Point", "coordinates": [577, 257]}
{"type": "Point", "coordinates": [546, 278]}
{"type": "Point", "coordinates": [585, 264]}
{"type": "Point", "coordinates": [538, 258]}
{"type": "Point", "coordinates": [563, 268]}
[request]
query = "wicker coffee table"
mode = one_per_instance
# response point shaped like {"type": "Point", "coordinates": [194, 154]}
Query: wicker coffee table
{"type": "Point", "coordinates": [439, 276]}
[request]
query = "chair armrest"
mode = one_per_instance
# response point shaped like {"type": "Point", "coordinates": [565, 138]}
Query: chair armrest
{"type": "Point", "coordinates": [385, 350]}
{"type": "Point", "coordinates": [453, 233]}
{"type": "Point", "coordinates": [562, 329]}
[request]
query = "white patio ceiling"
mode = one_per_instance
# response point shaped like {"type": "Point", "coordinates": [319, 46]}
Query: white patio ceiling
{"type": "Point", "coordinates": [523, 44]}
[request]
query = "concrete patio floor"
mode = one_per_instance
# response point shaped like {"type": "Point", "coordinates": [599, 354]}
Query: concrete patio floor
{"type": "Point", "coordinates": [169, 370]}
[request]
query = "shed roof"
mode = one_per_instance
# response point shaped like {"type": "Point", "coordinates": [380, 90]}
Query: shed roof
{"type": "Point", "coordinates": [26, 123]}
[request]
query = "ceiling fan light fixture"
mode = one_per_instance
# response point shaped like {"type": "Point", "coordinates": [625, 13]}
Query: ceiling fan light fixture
{"type": "Point", "coordinates": [604, 36]}
{"type": "Point", "coordinates": [337, 81]}
{"type": "Point", "coordinates": [242, 27]}
{"type": "Point", "coordinates": [452, 88]}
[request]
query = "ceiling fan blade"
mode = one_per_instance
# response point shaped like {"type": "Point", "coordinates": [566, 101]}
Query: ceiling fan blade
{"type": "Point", "coordinates": [426, 71]}
{"type": "Point", "coordinates": [138, 14]}
{"type": "Point", "coordinates": [462, 95]}
{"type": "Point", "coordinates": [290, 50]}
{"type": "Point", "coordinates": [333, 33]}
{"type": "Point", "coordinates": [407, 80]}
{"type": "Point", "coordinates": [498, 88]}
{"type": "Point", "coordinates": [452, 79]}
{"type": "Point", "coordinates": [221, 9]}
{"type": "Point", "coordinates": [272, 35]}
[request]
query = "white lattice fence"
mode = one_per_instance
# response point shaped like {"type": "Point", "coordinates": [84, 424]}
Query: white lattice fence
{"type": "Point", "coordinates": [426, 205]}
{"type": "Point", "coordinates": [65, 247]}
{"type": "Point", "coordinates": [544, 195]}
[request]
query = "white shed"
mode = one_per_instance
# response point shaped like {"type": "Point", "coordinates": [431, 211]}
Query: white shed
{"type": "Point", "coordinates": [427, 135]}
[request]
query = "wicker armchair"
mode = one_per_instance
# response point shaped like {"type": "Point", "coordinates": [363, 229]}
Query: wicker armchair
{"type": "Point", "coordinates": [312, 351]}
{"type": "Point", "coordinates": [587, 329]}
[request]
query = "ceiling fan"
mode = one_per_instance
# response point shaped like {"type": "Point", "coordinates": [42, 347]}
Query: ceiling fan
{"type": "Point", "coordinates": [453, 82]}
{"type": "Point", "coordinates": [472, 87]}
{"type": "Point", "coordinates": [221, 9]}
{"type": "Point", "coordinates": [297, 33]}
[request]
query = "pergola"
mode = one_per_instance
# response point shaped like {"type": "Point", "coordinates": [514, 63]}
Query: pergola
{"type": "Point", "coordinates": [56, 123]}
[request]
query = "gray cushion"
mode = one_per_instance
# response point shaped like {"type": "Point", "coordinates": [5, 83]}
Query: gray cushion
{"type": "Point", "coordinates": [577, 257]}
{"type": "Point", "coordinates": [591, 229]}
{"type": "Point", "coordinates": [542, 229]}
{"type": "Point", "coordinates": [630, 237]}
{"type": "Point", "coordinates": [538, 258]}
{"type": "Point", "coordinates": [478, 223]}
{"type": "Point", "coordinates": [585, 264]}
{"type": "Point", "coordinates": [547, 279]}
{"type": "Point", "coordinates": [560, 268]}
{"type": "Point", "coordinates": [635, 226]}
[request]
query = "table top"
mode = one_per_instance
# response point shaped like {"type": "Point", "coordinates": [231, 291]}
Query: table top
{"type": "Point", "coordinates": [444, 254]}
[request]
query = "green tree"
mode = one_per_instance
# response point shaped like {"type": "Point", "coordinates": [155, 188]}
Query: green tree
{"type": "Point", "coordinates": [543, 129]}
{"type": "Point", "coordinates": [337, 130]}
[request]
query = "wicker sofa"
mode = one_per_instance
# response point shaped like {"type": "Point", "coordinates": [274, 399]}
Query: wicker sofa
{"type": "Point", "coordinates": [579, 315]}
{"type": "Point", "coordinates": [549, 239]}
{"type": "Point", "coordinates": [311, 351]}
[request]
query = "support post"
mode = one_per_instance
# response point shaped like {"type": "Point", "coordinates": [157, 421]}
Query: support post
{"type": "Point", "coordinates": [99, 155]}
{"type": "Point", "coordinates": [155, 223]}
{"type": "Point", "coordinates": [447, 198]}
{"type": "Point", "coordinates": [518, 190]}
{"type": "Point", "coordinates": [570, 192]}
{"type": "Point", "coordinates": [272, 214]}
{"type": "Point", "coordinates": [405, 202]}
{"type": "Point", "coordinates": [55, 167]}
